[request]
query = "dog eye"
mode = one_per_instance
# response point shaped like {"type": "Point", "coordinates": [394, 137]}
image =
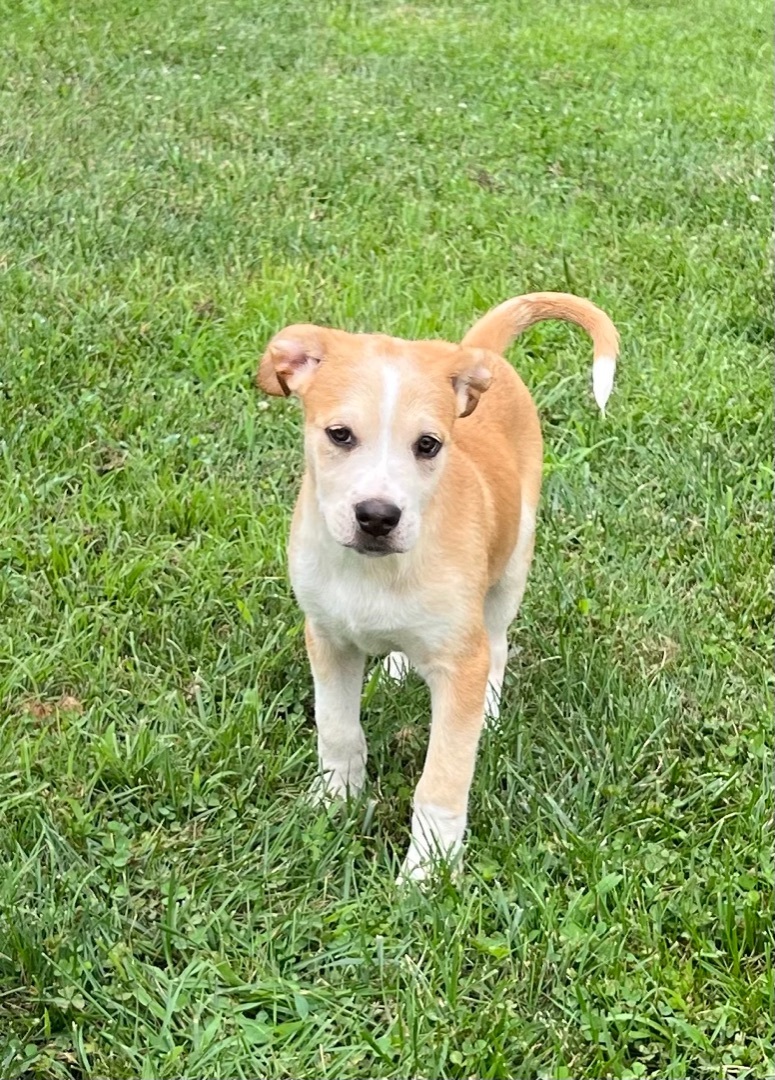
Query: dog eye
{"type": "Point", "coordinates": [340, 436]}
{"type": "Point", "coordinates": [427, 446]}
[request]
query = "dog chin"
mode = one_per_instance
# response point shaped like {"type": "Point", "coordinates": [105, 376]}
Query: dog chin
{"type": "Point", "coordinates": [373, 549]}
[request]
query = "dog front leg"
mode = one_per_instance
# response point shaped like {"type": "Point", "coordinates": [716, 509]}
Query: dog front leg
{"type": "Point", "coordinates": [337, 672]}
{"type": "Point", "coordinates": [458, 689]}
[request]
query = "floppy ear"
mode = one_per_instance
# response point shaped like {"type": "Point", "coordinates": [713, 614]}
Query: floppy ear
{"type": "Point", "coordinates": [291, 358]}
{"type": "Point", "coordinates": [470, 378]}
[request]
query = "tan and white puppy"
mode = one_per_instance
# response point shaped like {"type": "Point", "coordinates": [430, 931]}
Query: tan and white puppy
{"type": "Point", "coordinates": [413, 532]}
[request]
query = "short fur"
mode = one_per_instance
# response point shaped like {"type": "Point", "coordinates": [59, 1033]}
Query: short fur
{"type": "Point", "coordinates": [439, 591]}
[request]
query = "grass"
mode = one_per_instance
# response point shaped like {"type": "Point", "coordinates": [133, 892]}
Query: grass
{"type": "Point", "coordinates": [177, 182]}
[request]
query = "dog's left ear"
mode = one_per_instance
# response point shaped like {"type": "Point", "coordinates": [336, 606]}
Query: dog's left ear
{"type": "Point", "coordinates": [291, 358]}
{"type": "Point", "coordinates": [470, 379]}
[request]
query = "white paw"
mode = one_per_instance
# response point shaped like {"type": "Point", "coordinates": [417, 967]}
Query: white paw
{"type": "Point", "coordinates": [421, 870]}
{"type": "Point", "coordinates": [437, 837]}
{"type": "Point", "coordinates": [336, 785]}
{"type": "Point", "coordinates": [396, 666]}
{"type": "Point", "coordinates": [492, 705]}
{"type": "Point", "coordinates": [416, 872]}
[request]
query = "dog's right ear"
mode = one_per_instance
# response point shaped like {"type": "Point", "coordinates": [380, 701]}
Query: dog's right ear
{"type": "Point", "coordinates": [291, 358]}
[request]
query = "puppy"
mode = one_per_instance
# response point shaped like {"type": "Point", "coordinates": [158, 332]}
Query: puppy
{"type": "Point", "coordinates": [413, 531]}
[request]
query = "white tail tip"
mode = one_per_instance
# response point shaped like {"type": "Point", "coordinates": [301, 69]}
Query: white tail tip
{"type": "Point", "coordinates": [603, 379]}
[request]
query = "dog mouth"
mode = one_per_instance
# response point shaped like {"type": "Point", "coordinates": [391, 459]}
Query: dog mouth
{"type": "Point", "coordinates": [372, 547]}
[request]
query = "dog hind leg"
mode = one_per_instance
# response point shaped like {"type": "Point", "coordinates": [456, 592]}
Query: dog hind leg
{"type": "Point", "coordinates": [396, 666]}
{"type": "Point", "coordinates": [501, 606]}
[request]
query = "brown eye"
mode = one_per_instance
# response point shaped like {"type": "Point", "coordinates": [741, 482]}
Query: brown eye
{"type": "Point", "coordinates": [427, 446]}
{"type": "Point", "coordinates": [341, 436]}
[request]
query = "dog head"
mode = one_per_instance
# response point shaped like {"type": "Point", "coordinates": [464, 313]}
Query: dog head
{"type": "Point", "coordinates": [379, 415]}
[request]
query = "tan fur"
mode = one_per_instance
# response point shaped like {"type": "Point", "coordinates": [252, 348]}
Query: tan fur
{"type": "Point", "coordinates": [458, 683]}
{"type": "Point", "coordinates": [498, 328]}
{"type": "Point", "coordinates": [469, 397]}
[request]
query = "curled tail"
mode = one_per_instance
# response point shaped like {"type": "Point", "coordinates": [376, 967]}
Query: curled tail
{"type": "Point", "coordinates": [498, 328]}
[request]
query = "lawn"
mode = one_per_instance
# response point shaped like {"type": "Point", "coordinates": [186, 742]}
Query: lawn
{"type": "Point", "coordinates": [178, 181]}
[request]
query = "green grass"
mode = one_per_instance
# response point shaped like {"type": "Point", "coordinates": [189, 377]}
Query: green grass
{"type": "Point", "coordinates": [177, 182]}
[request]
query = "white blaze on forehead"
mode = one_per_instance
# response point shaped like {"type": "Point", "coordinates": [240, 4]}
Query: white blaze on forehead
{"type": "Point", "coordinates": [391, 382]}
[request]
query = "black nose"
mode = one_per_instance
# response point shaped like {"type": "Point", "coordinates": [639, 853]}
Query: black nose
{"type": "Point", "coordinates": [377, 517]}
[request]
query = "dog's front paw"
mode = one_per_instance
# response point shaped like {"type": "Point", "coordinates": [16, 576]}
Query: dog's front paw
{"type": "Point", "coordinates": [437, 839]}
{"type": "Point", "coordinates": [421, 867]}
{"type": "Point", "coordinates": [417, 873]}
{"type": "Point", "coordinates": [336, 785]}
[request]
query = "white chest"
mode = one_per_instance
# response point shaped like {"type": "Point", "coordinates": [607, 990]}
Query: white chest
{"type": "Point", "coordinates": [365, 603]}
